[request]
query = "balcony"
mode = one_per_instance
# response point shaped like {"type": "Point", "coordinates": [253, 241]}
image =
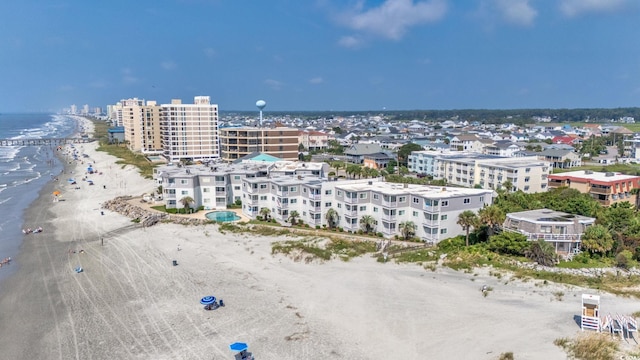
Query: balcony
{"type": "Point", "coordinates": [389, 217]}
{"type": "Point", "coordinates": [569, 238]}
{"type": "Point", "coordinates": [313, 196]}
{"type": "Point", "coordinates": [315, 209]}
{"type": "Point", "coordinates": [391, 204]}
{"type": "Point", "coordinates": [351, 200]}
{"type": "Point", "coordinates": [431, 209]}
{"type": "Point", "coordinates": [600, 190]}
{"type": "Point", "coordinates": [351, 213]}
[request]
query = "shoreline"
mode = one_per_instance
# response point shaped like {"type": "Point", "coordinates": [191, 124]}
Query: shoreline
{"type": "Point", "coordinates": [131, 302]}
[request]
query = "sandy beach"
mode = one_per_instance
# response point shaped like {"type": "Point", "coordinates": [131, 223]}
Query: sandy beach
{"type": "Point", "coordinates": [130, 302]}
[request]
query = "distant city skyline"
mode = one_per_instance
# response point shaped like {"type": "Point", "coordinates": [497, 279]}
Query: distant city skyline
{"type": "Point", "coordinates": [322, 55]}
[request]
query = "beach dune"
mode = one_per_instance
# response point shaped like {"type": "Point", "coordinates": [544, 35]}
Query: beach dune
{"type": "Point", "coordinates": [131, 302]}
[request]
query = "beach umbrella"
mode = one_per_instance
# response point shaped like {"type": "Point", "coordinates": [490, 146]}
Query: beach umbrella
{"type": "Point", "coordinates": [71, 180]}
{"type": "Point", "coordinates": [56, 193]}
{"type": "Point", "coordinates": [238, 346]}
{"type": "Point", "coordinates": [208, 300]}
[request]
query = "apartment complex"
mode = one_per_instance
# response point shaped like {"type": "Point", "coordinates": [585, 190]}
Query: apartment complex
{"type": "Point", "coordinates": [433, 210]}
{"type": "Point", "coordinates": [608, 188]}
{"type": "Point", "coordinates": [237, 142]}
{"type": "Point", "coordinates": [215, 186]}
{"type": "Point", "coordinates": [141, 122]}
{"type": "Point", "coordinates": [528, 174]}
{"type": "Point", "coordinates": [190, 131]}
{"type": "Point", "coordinates": [313, 140]}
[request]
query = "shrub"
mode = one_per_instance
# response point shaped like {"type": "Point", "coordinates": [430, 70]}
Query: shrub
{"type": "Point", "coordinates": [624, 259]}
{"type": "Point", "coordinates": [317, 227]}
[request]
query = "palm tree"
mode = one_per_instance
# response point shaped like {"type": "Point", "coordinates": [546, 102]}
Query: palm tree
{"type": "Point", "coordinates": [367, 223]}
{"type": "Point", "coordinates": [293, 217]}
{"type": "Point", "coordinates": [407, 229]}
{"type": "Point", "coordinates": [186, 202]}
{"type": "Point", "coordinates": [467, 219]}
{"type": "Point", "coordinates": [265, 213]}
{"type": "Point", "coordinates": [332, 218]}
{"type": "Point", "coordinates": [492, 216]}
{"type": "Point", "coordinates": [507, 186]}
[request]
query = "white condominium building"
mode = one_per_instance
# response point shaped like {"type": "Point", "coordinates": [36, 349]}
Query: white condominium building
{"type": "Point", "coordinates": [433, 210]}
{"type": "Point", "coordinates": [528, 173]}
{"type": "Point", "coordinates": [190, 131]}
{"type": "Point", "coordinates": [489, 172]}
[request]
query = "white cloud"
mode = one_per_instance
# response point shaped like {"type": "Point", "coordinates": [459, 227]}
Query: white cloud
{"type": "Point", "coordinates": [578, 7]}
{"type": "Point", "coordinates": [517, 12]}
{"type": "Point", "coordinates": [168, 65]}
{"type": "Point", "coordinates": [274, 84]}
{"type": "Point", "coordinates": [350, 42]}
{"type": "Point", "coordinates": [316, 80]}
{"type": "Point", "coordinates": [393, 18]}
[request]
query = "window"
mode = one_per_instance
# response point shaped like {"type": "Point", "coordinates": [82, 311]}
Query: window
{"type": "Point", "coordinates": [526, 188]}
{"type": "Point", "coordinates": [443, 217]}
{"type": "Point", "coordinates": [443, 231]}
{"type": "Point", "coordinates": [206, 190]}
{"type": "Point", "coordinates": [401, 212]}
{"type": "Point", "coordinates": [545, 229]}
{"type": "Point", "coordinates": [304, 202]}
{"type": "Point", "coordinates": [327, 204]}
{"type": "Point", "coordinates": [416, 200]}
{"type": "Point", "coordinates": [467, 200]}
{"type": "Point", "coordinates": [375, 209]}
{"type": "Point", "coordinates": [481, 199]}
{"type": "Point", "coordinates": [339, 206]}
{"type": "Point", "coordinates": [184, 192]}
{"type": "Point", "coordinates": [183, 181]}
{"type": "Point", "coordinates": [376, 197]}
{"type": "Point", "coordinates": [294, 201]}
{"type": "Point", "coordinates": [327, 192]}
{"type": "Point", "coordinates": [415, 214]}
{"type": "Point", "coordinates": [363, 208]}
{"type": "Point", "coordinates": [339, 193]}
{"type": "Point", "coordinates": [294, 189]}
{"type": "Point", "coordinates": [445, 203]}
{"type": "Point", "coordinates": [304, 190]}
{"type": "Point", "coordinates": [263, 186]}
{"type": "Point", "coordinates": [362, 195]}
{"type": "Point", "coordinates": [236, 188]}
{"type": "Point", "coordinates": [402, 199]}
{"type": "Point", "coordinates": [219, 188]}
{"type": "Point", "coordinates": [527, 170]}
{"type": "Point", "coordinates": [263, 197]}
{"type": "Point", "coordinates": [526, 179]}
{"type": "Point", "coordinates": [236, 177]}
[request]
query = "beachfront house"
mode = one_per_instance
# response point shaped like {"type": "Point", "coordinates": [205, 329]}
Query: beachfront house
{"type": "Point", "coordinates": [562, 230]}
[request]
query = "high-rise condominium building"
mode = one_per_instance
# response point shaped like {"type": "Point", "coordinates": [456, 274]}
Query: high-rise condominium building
{"type": "Point", "coordinates": [141, 125]}
{"type": "Point", "coordinates": [190, 131]}
{"type": "Point", "coordinates": [237, 142]}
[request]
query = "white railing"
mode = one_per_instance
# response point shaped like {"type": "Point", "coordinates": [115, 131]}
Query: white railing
{"type": "Point", "coordinates": [548, 237]}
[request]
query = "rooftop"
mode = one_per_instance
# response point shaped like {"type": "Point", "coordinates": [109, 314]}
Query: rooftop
{"type": "Point", "coordinates": [549, 216]}
{"type": "Point", "coordinates": [593, 176]}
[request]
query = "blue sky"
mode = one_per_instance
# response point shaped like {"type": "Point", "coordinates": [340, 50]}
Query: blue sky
{"type": "Point", "coordinates": [321, 54]}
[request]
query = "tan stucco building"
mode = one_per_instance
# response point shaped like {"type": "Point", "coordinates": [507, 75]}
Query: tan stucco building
{"type": "Point", "coordinates": [237, 142]}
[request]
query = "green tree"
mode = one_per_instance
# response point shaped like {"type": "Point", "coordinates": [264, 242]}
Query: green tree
{"type": "Point", "coordinates": [467, 219]}
{"type": "Point", "coordinates": [597, 239]}
{"type": "Point", "coordinates": [507, 186]}
{"type": "Point", "coordinates": [293, 217]}
{"type": "Point", "coordinates": [405, 150]}
{"type": "Point", "coordinates": [367, 223]}
{"type": "Point", "coordinates": [407, 229]}
{"type": "Point", "coordinates": [186, 203]}
{"type": "Point", "coordinates": [493, 217]}
{"type": "Point", "coordinates": [509, 243]}
{"type": "Point", "coordinates": [332, 218]}
{"type": "Point", "coordinates": [265, 213]}
{"type": "Point", "coordinates": [541, 252]}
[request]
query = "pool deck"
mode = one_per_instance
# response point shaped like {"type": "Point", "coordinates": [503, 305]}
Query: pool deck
{"type": "Point", "coordinates": [198, 215]}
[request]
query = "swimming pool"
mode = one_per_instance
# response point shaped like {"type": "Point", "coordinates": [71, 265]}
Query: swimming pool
{"type": "Point", "coordinates": [222, 216]}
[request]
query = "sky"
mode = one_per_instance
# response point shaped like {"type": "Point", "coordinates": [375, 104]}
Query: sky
{"type": "Point", "coordinates": [321, 55]}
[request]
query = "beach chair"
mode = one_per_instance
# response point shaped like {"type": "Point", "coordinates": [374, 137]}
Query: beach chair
{"type": "Point", "coordinates": [616, 326]}
{"type": "Point", "coordinates": [632, 327]}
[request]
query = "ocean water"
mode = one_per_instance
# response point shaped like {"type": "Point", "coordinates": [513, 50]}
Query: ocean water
{"type": "Point", "coordinates": [24, 170]}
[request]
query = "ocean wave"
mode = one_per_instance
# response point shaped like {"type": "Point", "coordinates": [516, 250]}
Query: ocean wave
{"type": "Point", "coordinates": [2, 201]}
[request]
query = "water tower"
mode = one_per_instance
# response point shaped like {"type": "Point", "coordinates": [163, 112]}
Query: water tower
{"type": "Point", "coordinates": [261, 104]}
